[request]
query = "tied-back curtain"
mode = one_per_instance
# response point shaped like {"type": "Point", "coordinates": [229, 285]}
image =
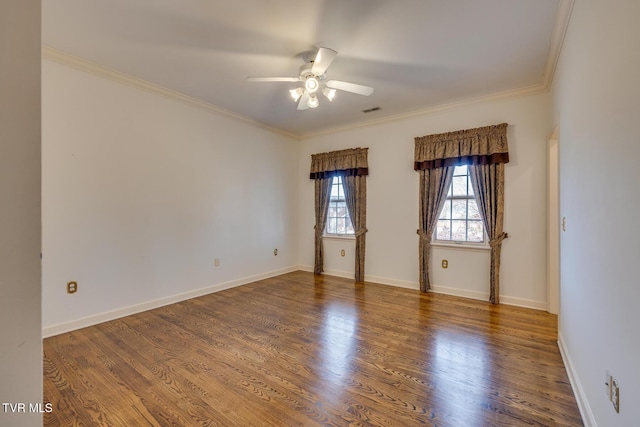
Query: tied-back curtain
{"type": "Point", "coordinates": [355, 193]}
{"type": "Point", "coordinates": [352, 165]}
{"type": "Point", "coordinates": [488, 186]}
{"type": "Point", "coordinates": [434, 184]}
{"type": "Point", "coordinates": [486, 150]}
{"type": "Point", "coordinates": [323, 195]}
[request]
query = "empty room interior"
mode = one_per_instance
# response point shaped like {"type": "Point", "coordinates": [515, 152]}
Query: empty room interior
{"type": "Point", "coordinates": [248, 213]}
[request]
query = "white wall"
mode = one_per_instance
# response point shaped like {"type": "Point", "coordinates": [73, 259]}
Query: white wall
{"type": "Point", "coordinates": [20, 230]}
{"type": "Point", "coordinates": [141, 193]}
{"type": "Point", "coordinates": [597, 93]}
{"type": "Point", "coordinates": [392, 204]}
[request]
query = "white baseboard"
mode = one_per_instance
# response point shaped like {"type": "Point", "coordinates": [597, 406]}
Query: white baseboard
{"type": "Point", "coordinates": [484, 296]}
{"type": "Point", "coordinates": [522, 302]}
{"type": "Point", "coordinates": [84, 322]}
{"type": "Point", "coordinates": [446, 290]}
{"type": "Point", "coordinates": [393, 282]}
{"type": "Point", "coordinates": [305, 267]}
{"type": "Point", "coordinates": [367, 278]}
{"type": "Point", "coordinates": [336, 273]}
{"type": "Point", "coordinates": [581, 398]}
{"type": "Point", "coordinates": [458, 292]}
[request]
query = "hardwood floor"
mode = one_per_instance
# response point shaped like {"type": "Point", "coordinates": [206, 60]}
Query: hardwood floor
{"type": "Point", "coordinates": [299, 350]}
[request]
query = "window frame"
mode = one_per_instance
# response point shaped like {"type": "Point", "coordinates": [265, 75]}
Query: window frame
{"type": "Point", "coordinates": [470, 245]}
{"type": "Point", "coordinates": [325, 233]}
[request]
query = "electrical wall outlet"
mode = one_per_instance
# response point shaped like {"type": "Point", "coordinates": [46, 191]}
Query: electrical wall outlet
{"type": "Point", "coordinates": [607, 384]}
{"type": "Point", "coordinates": [342, 252]}
{"type": "Point", "coordinates": [275, 252]}
{"type": "Point", "coordinates": [216, 262]}
{"type": "Point", "coordinates": [72, 287]}
{"type": "Point", "coordinates": [445, 263]}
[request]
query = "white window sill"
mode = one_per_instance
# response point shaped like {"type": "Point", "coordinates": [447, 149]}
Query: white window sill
{"type": "Point", "coordinates": [339, 236]}
{"type": "Point", "coordinates": [463, 246]}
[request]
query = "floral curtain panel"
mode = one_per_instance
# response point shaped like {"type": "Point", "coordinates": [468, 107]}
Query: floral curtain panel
{"type": "Point", "coordinates": [355, 192]}
{"type": "Point", "coordinates": [322, 197]}
{"type": "Point", "coordinates": [434, 184]}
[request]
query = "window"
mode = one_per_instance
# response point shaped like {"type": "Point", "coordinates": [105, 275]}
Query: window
{"type": "Point", "coordinates": [460, 220]}
{"type": "Point", "coordinates": [338, 221]}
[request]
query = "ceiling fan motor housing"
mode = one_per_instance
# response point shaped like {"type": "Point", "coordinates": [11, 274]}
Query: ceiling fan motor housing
{"type": "Point", "coordinates": [305, 72]}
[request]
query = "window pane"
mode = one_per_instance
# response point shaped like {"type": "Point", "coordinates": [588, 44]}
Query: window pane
{"type": "Point", "coordinates": [446, 210]}
{"type": "Point", "coordinates": [475, 232]}
{"type": "Point", "coordinates": [331, 225]}
{"type": "Point", "coordinates": [458, 230]}
{"type": "Point", "coordinates": [332, 210]}
{"type": "Point", "coordinates": [335, 190]}
{"type": "Point", "coordinates": [460, 170]}
{"type": "Point", "coordinates": [474, 213]}
{"type": "Point", "coordinates": [342, 228]}
{"type": "Point", "coordinates": [459, 209]}
{"type": "Point", "coordinates": [443, 230]}
{"type": "Point", "coordinates": [459, 185]}
{"type": "Point", "coordinates": [470, 187]}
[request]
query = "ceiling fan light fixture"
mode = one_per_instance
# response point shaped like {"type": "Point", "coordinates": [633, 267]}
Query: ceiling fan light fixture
{"type": "Point", "coordinates": [312, 76]}
{"type": "Point", "coordinates": [311, 84]}
{"type": "Point", "coordinates": [296, 93]}
{"type": "Point", "coordinates": [313, 102]}
{"type": "Point", "coordinates": [329, 93]}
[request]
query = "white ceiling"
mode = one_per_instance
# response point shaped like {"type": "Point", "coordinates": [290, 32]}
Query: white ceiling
{"type": "Point", "coordinates": [417, 54]}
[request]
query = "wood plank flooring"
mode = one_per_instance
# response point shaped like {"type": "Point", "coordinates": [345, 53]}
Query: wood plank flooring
{"type": "Point", "coordinates": [301, 350]}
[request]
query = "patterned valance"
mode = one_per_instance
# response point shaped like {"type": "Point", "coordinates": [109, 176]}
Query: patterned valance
{"type": "Point", "coordinates": [480, 146]}
{"type": "Point", "coordinates": [349, 162]}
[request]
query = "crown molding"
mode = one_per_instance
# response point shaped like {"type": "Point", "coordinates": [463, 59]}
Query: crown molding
{"type": "Point", "coordinates": [563, 15]}
{"type": "Point", "coordinates": [500, 96]}
{"type": "Point", "coordinates": [81, 64]}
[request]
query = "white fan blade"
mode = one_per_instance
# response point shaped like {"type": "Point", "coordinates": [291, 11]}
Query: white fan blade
{"type": "Point", "coordinates": [273, 79]}
{"type": "Point", "coordinates": [324, 58]}
{"type": "Point", "coordinates": [304, 99]}
{"type": "Point", "coordinates": [350, 87]}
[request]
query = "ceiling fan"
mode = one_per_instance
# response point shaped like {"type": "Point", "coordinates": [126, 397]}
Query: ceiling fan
{"type": "Point", "coordinates": [312, 74]}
